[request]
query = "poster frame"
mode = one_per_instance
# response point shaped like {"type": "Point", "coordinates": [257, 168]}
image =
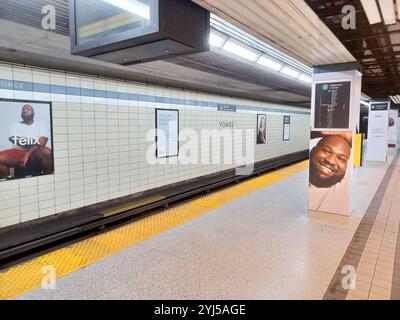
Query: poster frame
{"type": "Point", "coordinates": [50, 103]}
{"type": "Point", "coordinates": [290, 123]}
{"type": "Point", "coordinates": [156, 137]}
{"type": "Point", "coordinates": [266, 126]}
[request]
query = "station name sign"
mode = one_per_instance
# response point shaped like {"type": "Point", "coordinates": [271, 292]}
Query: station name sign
{"type": "Point", "coordinates": [226, 107]}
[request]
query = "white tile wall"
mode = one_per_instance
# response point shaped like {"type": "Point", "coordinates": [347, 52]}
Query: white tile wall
{"type": "Point", "coordinates": [100, 144]}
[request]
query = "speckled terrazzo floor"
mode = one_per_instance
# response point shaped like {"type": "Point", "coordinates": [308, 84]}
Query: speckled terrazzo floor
{"type": "Point", "coordinates": [262, 246]}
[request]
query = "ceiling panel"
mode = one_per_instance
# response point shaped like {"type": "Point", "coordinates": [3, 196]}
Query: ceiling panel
{"type": "Point", "coordinates": [212, 71]}
{"type": "Point", "coordinates": [288, 25]}
{"type": "Point", "coordinates": [376, 47]}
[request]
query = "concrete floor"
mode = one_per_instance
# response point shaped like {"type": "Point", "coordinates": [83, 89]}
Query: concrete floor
{"type": "Point", "coordinates": [263, 246]}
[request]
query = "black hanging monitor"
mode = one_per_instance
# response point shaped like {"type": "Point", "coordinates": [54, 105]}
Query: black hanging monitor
{"type": "Point", "coordinates": [132, 31]}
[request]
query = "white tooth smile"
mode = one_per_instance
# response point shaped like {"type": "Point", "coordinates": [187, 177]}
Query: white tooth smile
{"type": "Point", "coordinates": [327, 168]}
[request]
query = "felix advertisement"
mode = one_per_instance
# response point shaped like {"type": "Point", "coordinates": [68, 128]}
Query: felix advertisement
{"type": "Point", "coordinates": [26, 144]}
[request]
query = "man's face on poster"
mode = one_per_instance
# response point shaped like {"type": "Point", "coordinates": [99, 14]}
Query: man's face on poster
{"type": "Point", "coordinates": [27, 113]}
{"type": "Point", "coordinates": [328, 161]}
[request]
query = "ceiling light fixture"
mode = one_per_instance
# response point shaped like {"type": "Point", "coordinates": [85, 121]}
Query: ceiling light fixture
{"type": "Point", "coordinates": [270, 63]}
{"type": "Point", "coordinates": [388, 13]}
{"type": "Point", "coordinates": [217, 39]}
{"type": "Point", "coordinates": [395, 99]}
{"type": "Point", "coordinates": [372, 11]}
{"type": "Point", "coordinates": [290, 72]}
{"type": "Point", "coordinates": [240, 50]}
{"type": "Point", "coordinates": [305, 78]}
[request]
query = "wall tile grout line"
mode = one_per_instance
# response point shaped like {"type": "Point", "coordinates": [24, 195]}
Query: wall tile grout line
{"type": "Point", "coordinates": [335, 291]}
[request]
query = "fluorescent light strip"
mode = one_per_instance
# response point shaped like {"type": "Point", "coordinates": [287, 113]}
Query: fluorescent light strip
{"type": "Point", "coordinates": [251, 41]}
{"type": "Point", "coordinates": [372, 11]}
{"type": "Point", "coordinates": [217, 40]}
{"type": "Point", "coordinates": [398, 8]}
{"type": "Point", "coordinates": [290, 72]}
{"type": "Point", "coordinates": [241, 51]}
{"type": "Point", "coordinates": [387, 9]}
{"type": "Point", "coordinates": [133, 6]}
{"type": "Point", "coordinates": [364, 103]}
{"type": "Point", "coordinates": [270, 63]}
{"type": "Point", "coordinates": [305, 78]}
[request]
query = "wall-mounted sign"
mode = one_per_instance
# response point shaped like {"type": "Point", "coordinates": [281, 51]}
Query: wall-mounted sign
{"type": "Point", "coordinates": [332, 105]}
{"type": "Point", "coordinates": [378, 131]}
{"type": "Point", "coordinates": [167, 139]}
{"type": "Point", "coordinates": [226, 107]}
{"type": "Point", "coordinates": [286, 128]}
{"type": "Point", "coordinates": [26, 140]}
{"type": "Point", "coordinates": [261, 129]}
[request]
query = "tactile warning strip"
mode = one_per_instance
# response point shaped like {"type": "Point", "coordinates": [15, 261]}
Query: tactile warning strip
{"type": "Point", "coordinates": [28, 276]}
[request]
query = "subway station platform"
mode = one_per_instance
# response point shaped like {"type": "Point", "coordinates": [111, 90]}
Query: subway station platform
{"type": "Point", "coordinates": [253, 240]}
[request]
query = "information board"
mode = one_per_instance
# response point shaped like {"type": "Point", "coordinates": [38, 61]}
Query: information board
{"type": "Point", "coordinates": [332, 105]}
{"type": "Point", "coordinates": [286, 128]}
{"type": "Point", "coordinates": [378, 132]}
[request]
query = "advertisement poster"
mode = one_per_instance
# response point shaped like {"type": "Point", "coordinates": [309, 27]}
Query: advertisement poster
{"type": "Point", "coordinates": [286, 128]}
{"type": "Point", "coordinates": [26, 144]}
{"type": "Point", "coordinates": [378, 132]}
{"type": "Point", "coordinates": [261, 128]}
{"type": "Point", "coordinates": [167, 125]}
{"type": "Point", "coordinates": [393, 119]}
{"type": "Point", "coordinates": [332, 105]}
{"type": "Point", "coordinates": [330, 171]}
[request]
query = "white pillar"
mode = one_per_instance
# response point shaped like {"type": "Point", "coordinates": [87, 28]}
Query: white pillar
{"type": "Point", "coordinates": [335, 113]}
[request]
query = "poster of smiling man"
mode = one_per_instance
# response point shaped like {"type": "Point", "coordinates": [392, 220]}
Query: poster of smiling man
{"type": "Point", "coordinates": [26, 144]}
{"type": "Point", "coordinates": [330, 170]}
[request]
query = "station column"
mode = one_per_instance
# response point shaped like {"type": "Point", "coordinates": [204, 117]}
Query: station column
{"type": "Point", "coordinates": [335, 114]}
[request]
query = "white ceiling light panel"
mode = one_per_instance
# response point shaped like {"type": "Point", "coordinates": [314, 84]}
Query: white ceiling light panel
{"type": "Point", "coordinates": [270, 63]}
{"type": "Point", "coordinates": [388, 13]}
{"type": "Point", "coordinates": [290, 72]}
{"type": "Point", "coordinates": [372, 11]}
{"type": "Point", "coordinates": [240, 50]}
{"type": "Point", "coordinates": [217, 39]}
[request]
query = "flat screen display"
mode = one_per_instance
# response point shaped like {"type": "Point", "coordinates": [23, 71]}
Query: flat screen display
{"type": "Point", "coordinates": [106, 21]}
{"type": "Point", "coordinates": [332, 105]}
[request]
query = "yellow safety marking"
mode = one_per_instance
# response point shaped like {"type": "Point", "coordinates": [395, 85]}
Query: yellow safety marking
{"type": "Point", "coordinates": [357, 150]}
{"type": "Point", "coordinates": [28, 276]}
{"type": "Point", "coordinates": [134, 205]}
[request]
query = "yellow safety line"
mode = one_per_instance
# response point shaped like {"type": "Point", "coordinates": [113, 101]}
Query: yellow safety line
{"type": "Point", "coordinates": [28, 276]}
{"type": "Point", "coordinates": [134, 205]}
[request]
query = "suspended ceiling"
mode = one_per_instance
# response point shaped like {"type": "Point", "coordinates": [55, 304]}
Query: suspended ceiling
{"type": "Point", "coordinates": [376, 47]}
{"type": "Point", "coordinates": [290, 26]}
